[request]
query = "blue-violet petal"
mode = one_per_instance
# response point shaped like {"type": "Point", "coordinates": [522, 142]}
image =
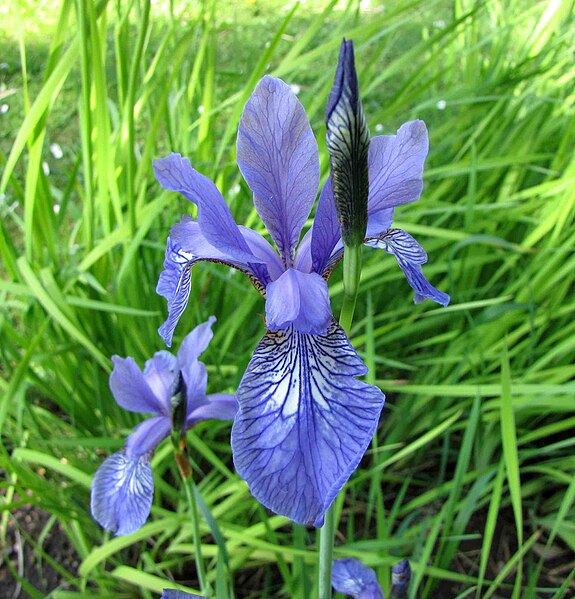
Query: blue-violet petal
{"type": "Point", "coordinates": [304, 422]}
{"type": "Point", "coordinates": [351, 577]}
{"type": "Point", "coordinates": [277, 155]}
{"type": "Point", "coordinates": [410, 256]}
{"type": "Point", "coordinates": [122, 492]}
{"type": "Point", "coordinates": [130, 389]}
{"type": "Point", "coordinates": [396, 166]}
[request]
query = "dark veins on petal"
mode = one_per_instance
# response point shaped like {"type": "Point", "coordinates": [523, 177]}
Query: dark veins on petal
{"type": "Point", "coordinates": [305, 421]}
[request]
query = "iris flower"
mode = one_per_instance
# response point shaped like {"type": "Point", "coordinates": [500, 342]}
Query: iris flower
{"type": "Point", "coordinates": [123, 486]}
{"type": "Point", "coordinates": [304, 420]}
{"type": "Point", "coordinates": [351, 577]}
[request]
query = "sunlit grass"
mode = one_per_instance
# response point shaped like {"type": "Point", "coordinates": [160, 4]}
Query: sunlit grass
{"type": "Point", "coordinates": [471, 474]}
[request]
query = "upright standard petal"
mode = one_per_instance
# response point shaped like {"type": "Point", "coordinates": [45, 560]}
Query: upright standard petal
{"type": "Point", "coordinates": [175, 173]}
{"type": "Point", "coordinates": [351, 577]}
{"type": "Point", "coordinates": [130, 389]}
{"type": "Point", "coordinates": [160, 373]}
{"type": "Point", "coordinates": [396, 166]}
{"type": "Point", "coordinates": [304, 422]}
{"type": "Point", "coordinates": [122, 492]}
{"type": "Point", "coordinates": [400, 577]}
{"type": "Point", "coordinates": [410, 256]}
{"type": "Point", "coordinates": [278, 157]}
{"type": "Point", "coordinates": [301, 299]}
{"type": "Point", "coordinates": [325, 230]}
{"type": "Point", "coordinates": [196, 342]}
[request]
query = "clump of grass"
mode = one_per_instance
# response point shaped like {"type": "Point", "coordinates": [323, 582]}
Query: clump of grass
{"type": "Point", "coordinates": [471, 473]}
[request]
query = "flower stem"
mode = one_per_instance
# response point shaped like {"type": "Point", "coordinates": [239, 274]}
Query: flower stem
{"type": "Point", "coordinates": [185, 469]}
{"type": "Point", "coordinates": [351, 277]}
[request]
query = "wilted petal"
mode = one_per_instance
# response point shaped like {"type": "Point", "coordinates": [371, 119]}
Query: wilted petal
{"type": "Point", "coordinates": [396, 166]}
{"type": "Point", "coordinates": [410, 256]}
{"type": "Point", "coordinates": [196, 342]}
{"type": "Point", "coordinates": [219, 406]}
{"type": "Point", "coordinates": [174, 594]}
{"type": "Point", "coordinates": [305, 421]}
{"type": "Point", "coordinates": [147, 436]}
{"type": "Point", "coordinates": [130, 389]}
{"type": "Point", "coordinates": [122, 492]}
{"type": "Point", "coordinates": [300, 299]}
{"type": "Point", "coordinates": [216, 222]}
{"type": "Point", "coordinates": [351, 577]}
{"type": "Point", "coordinates": [277, 155]}
{"type": "Point", "coordinates": [160, 372]}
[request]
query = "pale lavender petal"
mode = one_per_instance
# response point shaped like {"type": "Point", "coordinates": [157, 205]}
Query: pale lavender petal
{"type": "Point", "coordinates": [160, 373]}
{"type": "Point", "coordinates": [175, 173]}
{"type": "Point", "coordinates": [351, 577]}
{"type": "Point", "coordinates": [122, 492]}
{"type": "Point", "coordinates": [174, 594]}
{"type": "Point", "coordinates": [410, 256]}
{"type": "Point", "coordinates": [195, 342]}
{"type": "Point", "coordinates": [278, 157]}
{"type": "Point", "coordinates": [301, 299]}
{"type": "Point", "coordinates": [219, 406]}
{"type": "Point", "coordinates": [130, 389]}
{"type": "Point", "coordinates": [303, 254]}
{"type": "Point", "coordinates": [304, 422]}
{"type": "Point", "coordinates": [147, 436]}
{"type": "Point", "coordinates": [396, 166]}
{"type": "Point", "coordinates": [325, 230]}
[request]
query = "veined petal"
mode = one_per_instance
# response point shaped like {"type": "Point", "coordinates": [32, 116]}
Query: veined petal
{"type": "Point", "coordinates": [130, 389]}
{"type": "Point", "coordinates": [175, 173]}
{"type": "Point", "coordinates": [174, 284]}
{"type": "Point", "coordinates": [304, 422]}
{"type": "Point", "coordinates": [122, 492]}
{"type": "Point", "coordinates": [410, 256]}
{"type": "Point", "coordinates": [278, 157]}
{"type": "Point", "coordinates": [219, 406]}
{"type": "Point", "coordinates": [160, 372]}
{"type": "Point", "coordinates": [351, 577]}
{"type": "Point", "coordinates": [195, 343]}
{"type": "Point", "coordinates": [301, 299]}
{"type": "Point", "coordinates": [379, 222]}
{"type": "Point", "coordinates": [396, 166]}
{"type": "Point", "coordinates": [147, 436]}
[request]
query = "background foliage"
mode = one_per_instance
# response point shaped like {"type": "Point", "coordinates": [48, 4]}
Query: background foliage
{"type": "Point", "coordinates": [471, 473]}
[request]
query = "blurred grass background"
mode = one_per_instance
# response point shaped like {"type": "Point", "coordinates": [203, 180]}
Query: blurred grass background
{"type": "Point", "coordinates": [471, 475]}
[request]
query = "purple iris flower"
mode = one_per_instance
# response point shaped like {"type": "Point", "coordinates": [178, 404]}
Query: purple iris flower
{"type": "Point", "coordinates": [351, 577]}
{"type": "Point", "coordinates": [400, 578]}
{"type": "Point", "coordinates": [304, 420]}
{"type": "Point", "coordinates": [123, 486]}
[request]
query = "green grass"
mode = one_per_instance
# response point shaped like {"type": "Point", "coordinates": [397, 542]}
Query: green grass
{"type": "Point", "coordinates": [471, 473]}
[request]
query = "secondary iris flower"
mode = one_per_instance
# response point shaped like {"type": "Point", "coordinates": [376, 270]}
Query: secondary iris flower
{"type": "Point", "coordinates": [123, 486]}
{"type": "Point", "coordinates": [174, 594]}
{"type": "Point", "coordinates": [304, 420]}
{"type": "Point", "coordinates": [351, 577]}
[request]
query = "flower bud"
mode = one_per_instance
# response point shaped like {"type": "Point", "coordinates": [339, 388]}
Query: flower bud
{"type": "Point", "coordinates": [348, 145]}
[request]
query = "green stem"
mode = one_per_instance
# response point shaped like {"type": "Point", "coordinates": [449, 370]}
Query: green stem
{"type": "Point", "coordinates": [185, 469]}
{"type": "Point", "coordinates": [351, 278]}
